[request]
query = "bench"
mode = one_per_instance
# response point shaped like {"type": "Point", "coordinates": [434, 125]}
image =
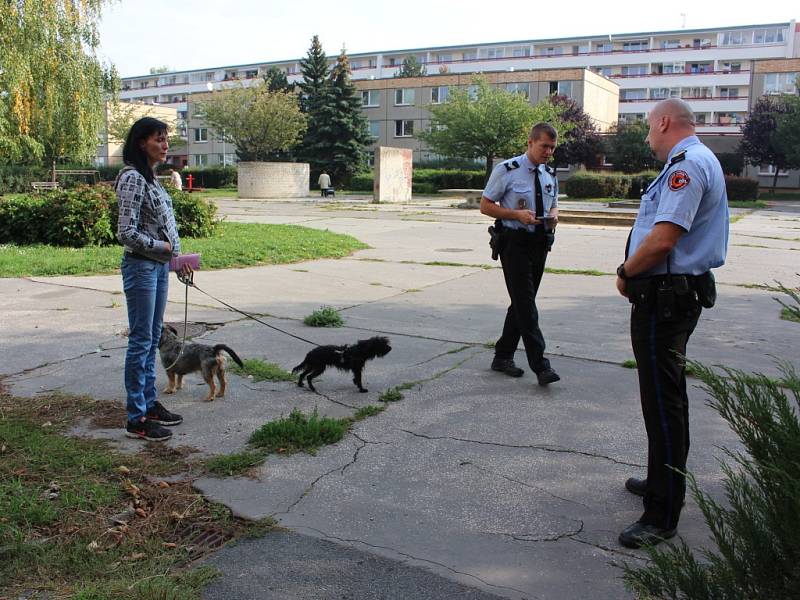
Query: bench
{"type": "Point", "coordinates": [472, 198]}
{"type": "Point", "coordinates": [39, 186]}
{"type": "Point", "coordinates": [93, 173]}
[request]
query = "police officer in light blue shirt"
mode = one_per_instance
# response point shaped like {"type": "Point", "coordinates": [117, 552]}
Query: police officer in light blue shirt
{"type": "Point", "coordinates": [522, 195]}
{"type": "Point", "coordinates": [680, 234]}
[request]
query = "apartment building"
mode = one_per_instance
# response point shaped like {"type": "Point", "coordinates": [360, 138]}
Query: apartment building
{"type": "Point", "coordinates": [109, 151]}
{"type": "Point", "coordinates": [712, 69]}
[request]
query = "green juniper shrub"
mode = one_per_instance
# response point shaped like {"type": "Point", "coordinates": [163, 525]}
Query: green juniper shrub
{"type": "Point", "coordinates": [741, 188]}
{"type": "Point", "coordinates": [756, 530]}
{"type": "Point", "coordinates": [325, 316]}
{"type": "Point", "coordinates": [732, 163]}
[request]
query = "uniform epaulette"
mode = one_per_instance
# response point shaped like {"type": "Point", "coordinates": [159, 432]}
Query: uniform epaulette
{"type": "Point", "coordinates": [550, 169]}
{"type": "Point", "coordinates": [678, 157]}
{"type": "Point", "coordinates": [511, 165]}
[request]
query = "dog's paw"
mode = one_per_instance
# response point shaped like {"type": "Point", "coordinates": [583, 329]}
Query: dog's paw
{"type": "Point", "coordinates": [168, 391]}
{"type": "Point", "coordinates": [209, 398]}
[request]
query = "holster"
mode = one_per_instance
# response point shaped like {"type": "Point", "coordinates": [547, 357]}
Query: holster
{"type": "Point", "coordinates": [550, 238]}
{"type": "Point", "coordinates": [667, 295]}
{"type": "Point", "coordinates": [496, 238]}
{"type": "Point", "coordinates": [706, 289]}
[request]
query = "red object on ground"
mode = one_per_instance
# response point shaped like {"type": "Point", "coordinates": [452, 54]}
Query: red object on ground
{"type": "Point", "coordinates": [189, 180]}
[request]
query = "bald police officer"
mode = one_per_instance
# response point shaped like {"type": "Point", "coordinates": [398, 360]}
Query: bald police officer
{"type": "Point", "coordinates": [522, 195]}
{"type": "Point", "coordinates": [680, 234]}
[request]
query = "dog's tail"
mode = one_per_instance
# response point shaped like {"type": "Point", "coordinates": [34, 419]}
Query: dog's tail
{"type": "Point", "coordinates": [299, 367]}
{"type": "Point", "coordinates": [220, 347]}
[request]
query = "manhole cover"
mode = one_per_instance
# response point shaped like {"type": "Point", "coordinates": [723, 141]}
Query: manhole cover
{"type": "Point", "coordinates": [453, 250]}
{"type": "Point", "coordinates": [201, 540]}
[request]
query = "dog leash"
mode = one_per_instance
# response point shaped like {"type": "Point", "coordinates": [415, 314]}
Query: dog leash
{"type": "Point", "coordinates": [188, 281]}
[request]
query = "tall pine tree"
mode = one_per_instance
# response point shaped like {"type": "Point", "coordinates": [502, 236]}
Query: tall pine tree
{"type": "Point", "coordinates": [337, 134]}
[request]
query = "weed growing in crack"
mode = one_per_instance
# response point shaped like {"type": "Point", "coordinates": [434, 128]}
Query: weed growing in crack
{"type": "Point", "coordinates": [391, 395]}
{"type": "Point", "coordinates": [260, 370]}
{"type": "Point", "coordinates": [368, 411]}
{"type": "Point", "coordinates": [226, 465]}
{"type": "Point", "coordinates": [326, 316]}
{"type": "Point", "coordinates": [299, 433]}
{"type": "Point", "coordinates": [628, 364]}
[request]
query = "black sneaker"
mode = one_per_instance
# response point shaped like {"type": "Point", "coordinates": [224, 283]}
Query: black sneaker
{"type": "Point", "coordinates": [547, 376]}
{"type": "Point", "coordinates": [147, 430]}
{"type": "Point", "coordinates": [507, 366]}
{"type": "Point", "coordinates": [158, 414]}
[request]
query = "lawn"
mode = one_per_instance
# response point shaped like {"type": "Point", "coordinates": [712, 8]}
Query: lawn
{"type": "Point", "coordinates": [233, 245]}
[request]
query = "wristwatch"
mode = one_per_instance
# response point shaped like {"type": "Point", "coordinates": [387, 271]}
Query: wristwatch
{"type": "Point", "coordinates": [621, 272]}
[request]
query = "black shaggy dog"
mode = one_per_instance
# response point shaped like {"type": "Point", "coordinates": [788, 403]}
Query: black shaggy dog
{"type": "Point", "coordinates": [344, 358]}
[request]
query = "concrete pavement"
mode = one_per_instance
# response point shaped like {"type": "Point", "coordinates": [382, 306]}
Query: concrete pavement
{"type": "Point", "coordinates": [475, 485]}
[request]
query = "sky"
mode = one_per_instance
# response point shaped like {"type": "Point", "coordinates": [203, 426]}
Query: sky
{"type": "Point", "coordinates": [180, 34]}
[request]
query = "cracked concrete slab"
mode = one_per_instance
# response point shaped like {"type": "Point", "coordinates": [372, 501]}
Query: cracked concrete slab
{"type": "Point", "coordinates": [475, 484]}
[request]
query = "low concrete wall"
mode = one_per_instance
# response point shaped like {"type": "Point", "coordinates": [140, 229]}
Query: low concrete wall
{"type": "Point", "coordinates": [273, 180]}
{"type": "Point", "coordinates": [393, 171]}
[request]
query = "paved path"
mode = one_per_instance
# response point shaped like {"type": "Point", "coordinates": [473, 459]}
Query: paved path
{"type": "Point", "coordinates": [475, 485]}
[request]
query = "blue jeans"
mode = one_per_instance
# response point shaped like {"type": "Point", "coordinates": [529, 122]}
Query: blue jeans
{"type": "Point", "coordinates": [145, 283]}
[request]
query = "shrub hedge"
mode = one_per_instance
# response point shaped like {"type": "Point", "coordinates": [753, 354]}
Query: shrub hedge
{"type": "Point", "coordinates": [211, 177]}
{"type": "Point", "coordinates": [428, 181]}
{"type": "Point", "coordinates": [741, 188]}
{"type": "Point", "coordinates": [87, 216]}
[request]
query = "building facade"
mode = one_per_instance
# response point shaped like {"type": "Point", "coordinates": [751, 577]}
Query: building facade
{"type": "Point", "coordinates": [712, 69]}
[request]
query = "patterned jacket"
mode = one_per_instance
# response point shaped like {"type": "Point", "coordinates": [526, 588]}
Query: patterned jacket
{"type": "Point", "coordinates": [146, 220]}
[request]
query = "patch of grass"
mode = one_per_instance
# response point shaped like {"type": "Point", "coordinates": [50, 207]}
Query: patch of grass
{"type": "Point", "coordinates": [232, 245]}
{"type": "Point", "coordinates": [391, 395]}
{"type": "Point", "coordinates": [368, 411]}
{"type": "Point", "coordinates": [789, 315]}
{"type": "Point", "coordinates": [444, 263]}
{"type": "Point", "coordinates": [227, 465]}
{"type": "Point", "coordinates": [300, 270]}
{"type": "Point", "coordinates": [299, 433]}
{"type": "Point", "coordinates": [629, 364]}
{"type": "Point", "coordinates": [412, 290]}
{"type": "Point", "coordinates": [210, 193]}
{"type": "Point", "coordinates": [57, 498]}
{"type": "Point", "coordinates": [260, 370]}
{"type": "Point", "coordinates": [747, 204]}
{"type": "Point", "coordinates": [592, 272]}
{"type": "Point", "coordinates": [325, 316]}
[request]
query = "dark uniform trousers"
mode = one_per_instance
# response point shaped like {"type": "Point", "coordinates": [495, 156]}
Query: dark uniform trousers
{"type": "Point", "coordinates": [660, 347]}
{"type": "Point", "coordinates": [523, 256]}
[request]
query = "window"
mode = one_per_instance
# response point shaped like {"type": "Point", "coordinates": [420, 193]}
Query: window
{"type": "Point", "coordinates": [670, 68]}
{"type": "Point", "coordinates": [633, 95]}
{"type": "Point", "coordinates": [735, 38]}
{"type": "Point", "coordinates": [564, 88]}
{"type": "Point", "coordinates": [201, 135]}
{"type": "Point", "coordinates": [371, 98]}
{"type": "Point", "coordinates": [696, 92]}
{"type": "Point", "coordinates": [636, 46]}
{"type": "Point", "coordinates": [443, 58]}
{"type": "Point", "coordinates": [375, 129]}
{"type": "Point", "coordinates": [252, 73]}
{"type": "Point", "coordinates": [670, 44]}
{"type": "Point", "coordinates": [551, 51]}
{"type": "Point", "coordinates": [220, 138]}
{"type": "Point", "coordinates": [200, 160]}
{"type": "Point", "coordinates": [472, 92]}
{"type": "Point", "coordinates": [198, 112]}
{"type": "Point", "coordinates": [605, 47]}
{"type": "Point", "coordinates": [496, 53]}
{"type": "Point", "coordinates": [630, 117]}
{"type": "Point", "coordinates": [700, 68]}
{"type": "Point", "coordinates": [771, 35]}
{"type": "Point", "coordinates": [439, 94]}
{"type": "Point", "coordinates": [403, 128]}
{"type": "Point", "coordinates": [291, 70]}
{"type": "Point", "coordinates": [732, 67]}
{"type": "Point", "coordinates": [728, 92]}
{"type": "Point", "coordinates": [182, 114]}
{"type": "Point", "coordinates": [582, 49]}
{"type": "Point", "coordinates": [781, 83]}
{"type": "Point", "coordinates": [469, 55]}
{"type": "Point", "coordinates": [519, 51]}
{"type": "Point", "coordinates": [730, 118]}
{"type": "Point", "coordinates": [552, 88]}
{"type": "Point", "coordinates": [701, 118]}
{"type": "Point", "coordinates": [770, 170]}
{"type": "Point", "coordinates": [524, 89]}
{"type": "Point", "coordinates": [662, 93]}
{"type": "Point", "coordinates": [635, 70]}
{"type": "Point", "coordinates": [403, 96]}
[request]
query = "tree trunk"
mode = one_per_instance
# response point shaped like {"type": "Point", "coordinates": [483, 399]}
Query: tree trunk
{"type": "Point", "coordinates": [775, 179]}
{"type": "Point", "coordinates": [488, 172]}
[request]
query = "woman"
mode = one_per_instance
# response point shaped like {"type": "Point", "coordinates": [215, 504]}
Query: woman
{"type": "Point", "coordinates": [149, 234]}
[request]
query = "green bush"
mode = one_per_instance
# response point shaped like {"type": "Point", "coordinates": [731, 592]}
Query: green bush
{"type": "Point", "coordinates": [16, 179]}
{"type": "Point", "coordinates": [87, 216]}
{"type": "Point", "coordinates": [362, 182]}
{"type": "Point", "coordinates": [638, 183]}
{"type": "Point", "coordinates": [584, 184]}
{"type": "Point", "coordinates": [326, 316]}
{"type": "Point", "coordinates": [428, 181]}
{"type": "Point", "coordinates": [211, 177]}
{"type": "Point", "coordinates": [732, 163]}
{"type": "Point", "coordinates": [741, 188]}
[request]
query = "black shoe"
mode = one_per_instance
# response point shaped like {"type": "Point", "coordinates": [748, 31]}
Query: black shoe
{"type": "Point", "coordinates": [147, 430]}
{"type": "Point", "coordinates": [507, 366]}
{"type": "Point", "coordinates": [158, 414]}
{"type": "Point", "coordinates": [547, 377]}
{"type": "Point", "coordinates": [636, 486]}
{"type": "Point", "coordinates": [639, 534]}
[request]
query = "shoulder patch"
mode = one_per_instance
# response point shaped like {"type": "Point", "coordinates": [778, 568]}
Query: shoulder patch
{"type": "Point", "coordinates": [678, 180]}
{"type": "Point", "coordinates": [511, 165]}
{"type": "Point", "coordinates": [550, 169]}
{"type": "Point", "coordinates": [678, 157]}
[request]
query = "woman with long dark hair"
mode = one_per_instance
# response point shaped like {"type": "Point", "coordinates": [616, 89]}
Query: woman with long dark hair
{"type": "Point", "coordinates": [149, 234]}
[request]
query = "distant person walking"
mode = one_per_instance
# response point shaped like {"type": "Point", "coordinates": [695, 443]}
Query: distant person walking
{"type": "Point", "coordinates": [175, 179]}
{"type": "Point", "coordinates": [324, 182]}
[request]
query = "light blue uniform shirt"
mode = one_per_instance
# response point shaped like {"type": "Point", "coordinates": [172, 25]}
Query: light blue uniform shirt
{"type": "Point", "coordinates": [690, 193]}
{"type": "Point", "coordinates": [512, 185]}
